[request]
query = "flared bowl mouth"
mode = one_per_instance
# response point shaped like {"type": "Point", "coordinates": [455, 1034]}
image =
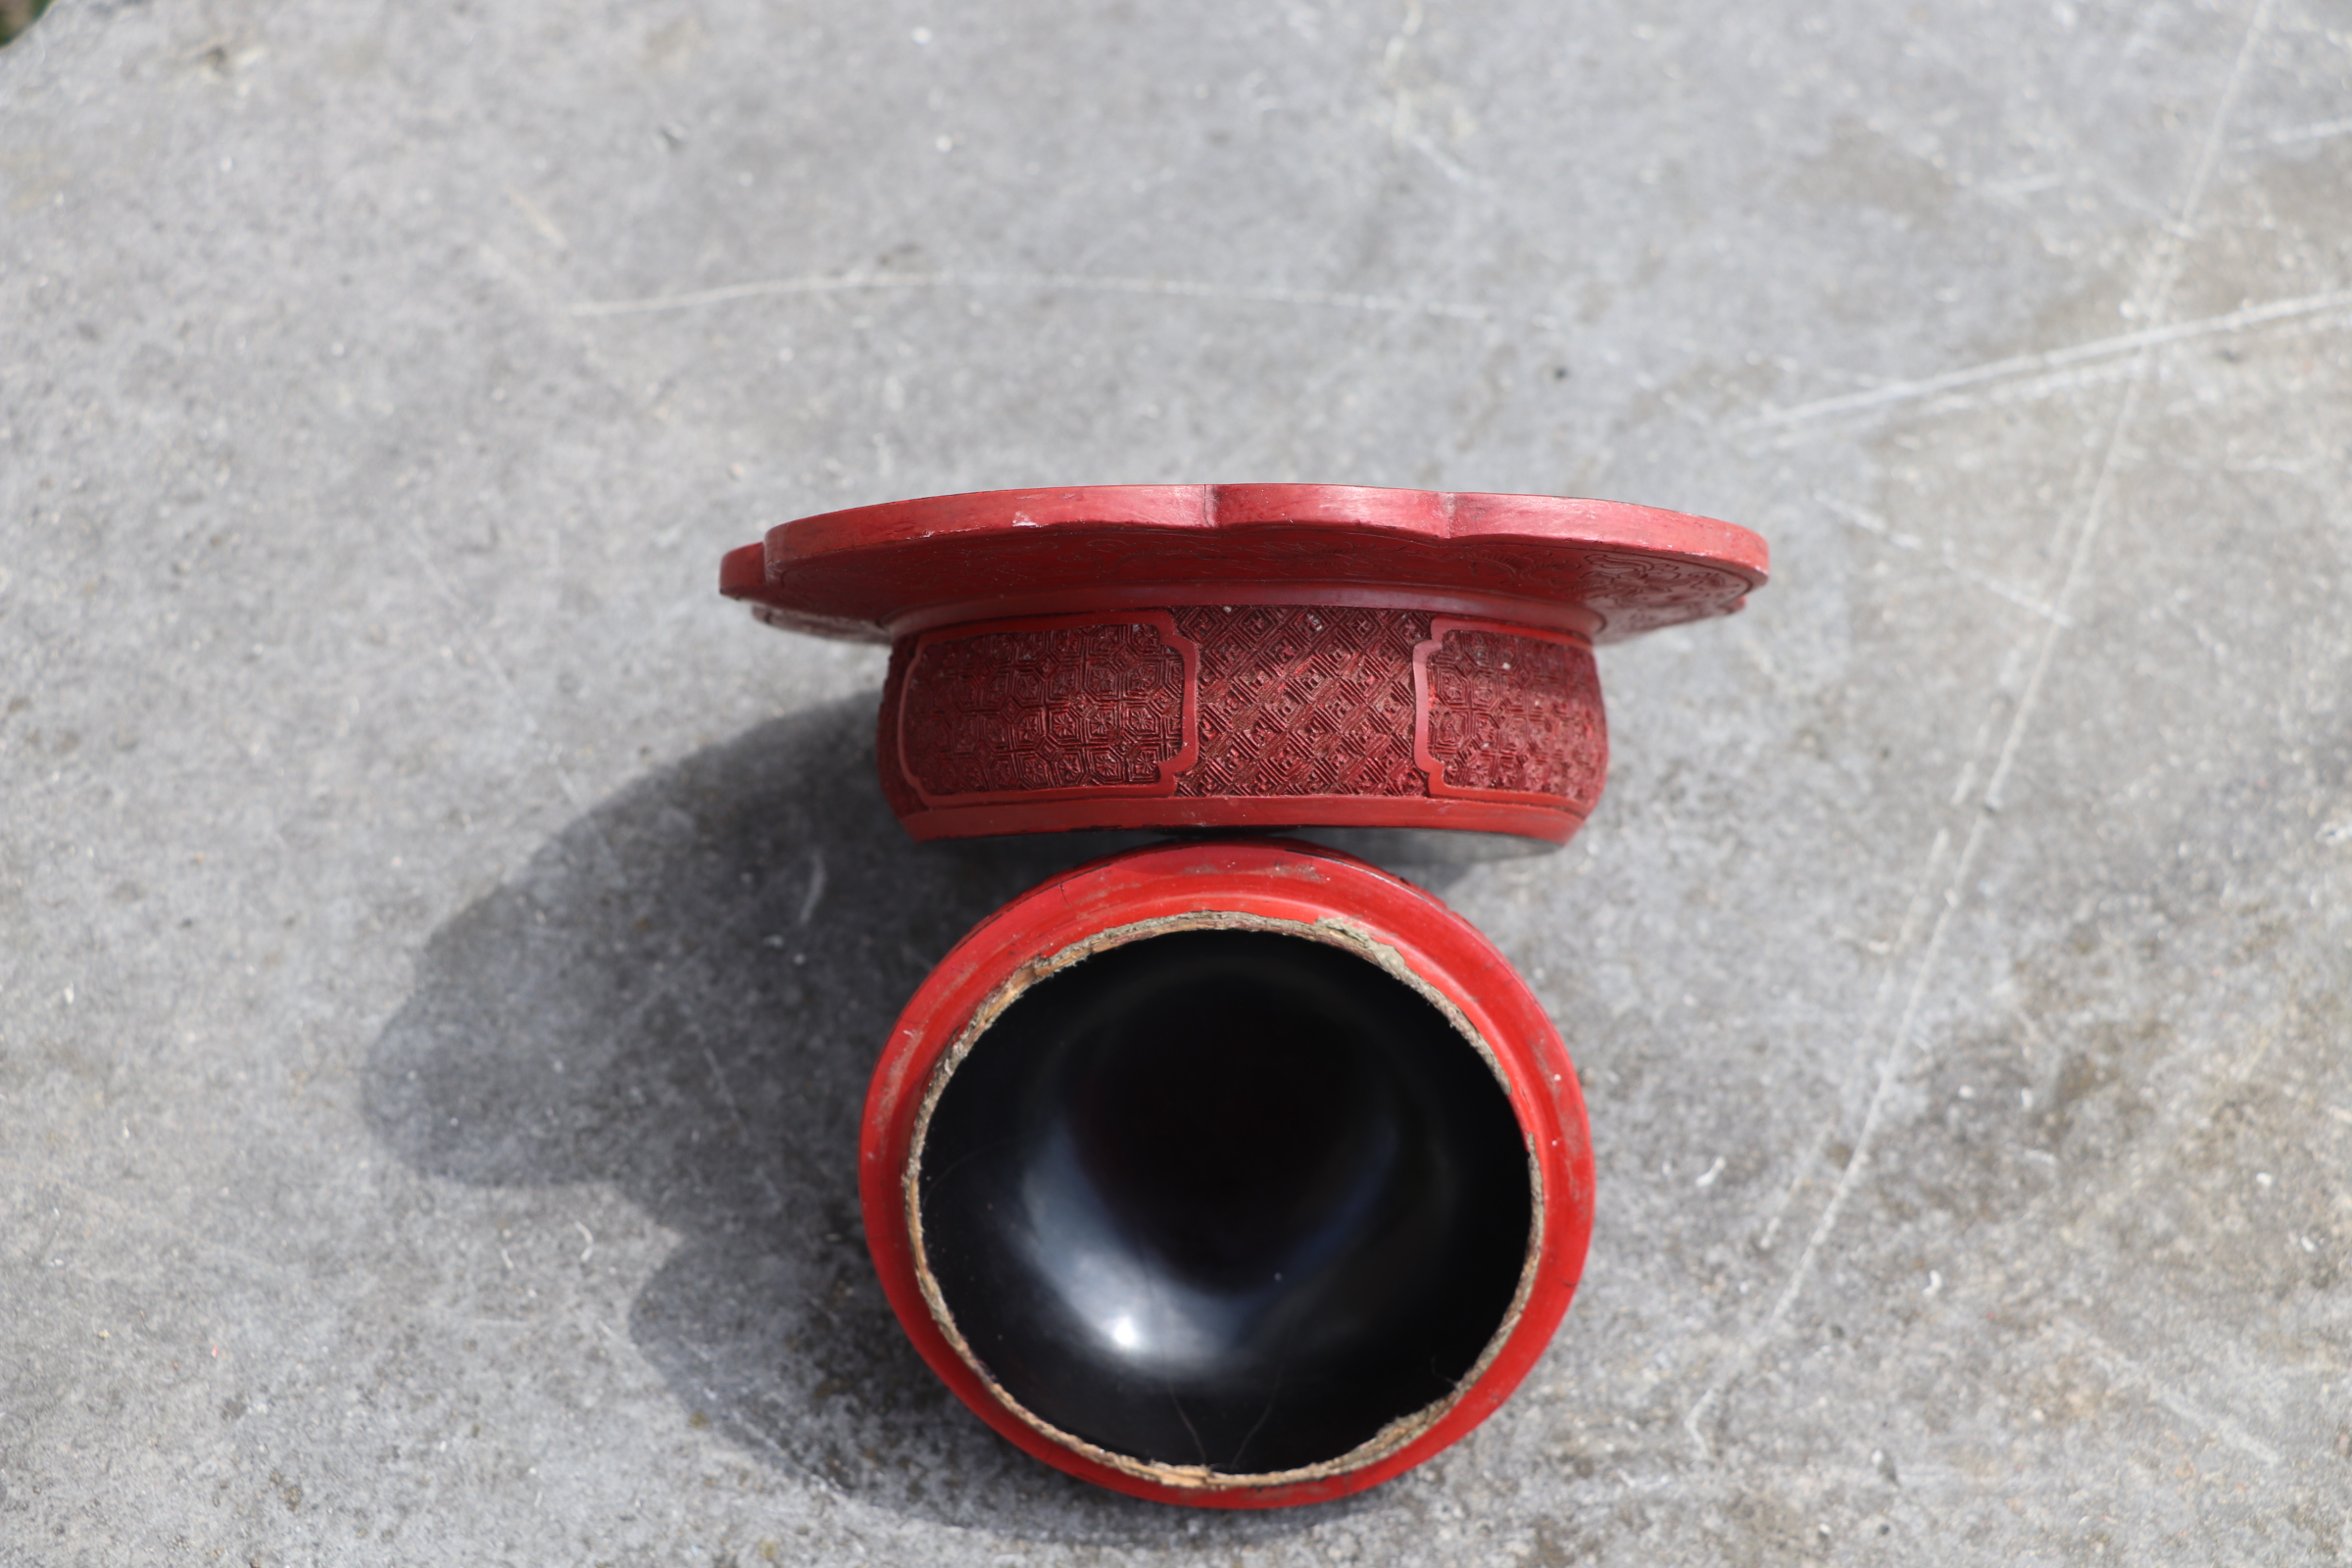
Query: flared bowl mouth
{"type": "Point", "coordinates": [1237, 1175]}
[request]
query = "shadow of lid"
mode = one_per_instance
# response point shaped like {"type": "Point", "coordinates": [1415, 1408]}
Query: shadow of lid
{"type": "Point", "coordinates": [682, 995]}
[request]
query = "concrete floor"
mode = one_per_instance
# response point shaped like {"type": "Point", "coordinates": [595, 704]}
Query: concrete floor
{"type": "Point", "coordinates": [443, 944]}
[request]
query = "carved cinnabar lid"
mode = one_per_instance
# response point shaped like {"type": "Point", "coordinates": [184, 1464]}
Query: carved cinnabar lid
{"type": "Point", "coordinates": [1203, 657]}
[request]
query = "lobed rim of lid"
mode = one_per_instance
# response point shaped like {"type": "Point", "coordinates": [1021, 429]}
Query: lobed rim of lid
{"type": "Point", "coordinates": [867, 572]}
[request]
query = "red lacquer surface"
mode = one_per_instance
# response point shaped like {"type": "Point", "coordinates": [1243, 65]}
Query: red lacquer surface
{"type": "Point", "coordinates": [1252, 656]}
{"type": "Point", "coordinates": [1603, 567]}
{"type": "Point", "coordinates": [1196, 657]}
{"type": "Point", "coordinates": [1243, 716]}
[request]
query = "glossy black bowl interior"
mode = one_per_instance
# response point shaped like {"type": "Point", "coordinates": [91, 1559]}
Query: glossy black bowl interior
{"type": "Point", "coordinates": [1232, 1199]}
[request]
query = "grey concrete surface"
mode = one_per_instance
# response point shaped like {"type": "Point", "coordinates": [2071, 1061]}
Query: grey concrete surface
{"type": "Point", "coordinates": [441, 943]}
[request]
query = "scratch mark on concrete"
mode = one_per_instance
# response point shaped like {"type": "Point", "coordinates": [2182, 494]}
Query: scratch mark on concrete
{"type": "Point", "coordinates": [816, 886]}
{"type": "Point", "coordinates": [2053, 360]}
{"type": "Point", "coordinates": [1877, 526]}
{"type": "Point", "coordinates": [1058, 282]}
{"type": "Point", "coordinates": [580, 803]}
{"type": "Point", "coordinates": [2164, 275]}
{"type": "Point", "coordinates": [1914, 916]}
{"type": "Point", "coordinates": [2324, 130]}
{"type": "Point", "coordinates": [1402, 114]}
{"type": "Point", "coordinates": [2123, 1369]}
{"type": "Point", "coordinates": [742, 1128]}
{"type": "Point", "coordinates": [548, 230]}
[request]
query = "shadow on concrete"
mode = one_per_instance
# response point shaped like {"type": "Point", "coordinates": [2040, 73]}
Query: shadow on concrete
{"type": "Point", "coordinates": [683, 994]}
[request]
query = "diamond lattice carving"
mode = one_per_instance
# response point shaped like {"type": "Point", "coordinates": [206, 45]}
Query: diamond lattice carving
{"type": "Point", "coordinates": [1518, 716]}
{"type": "Point", "coordinates": [1304, 700]}
{"type": "Point", "coordinates": [1053, 708]}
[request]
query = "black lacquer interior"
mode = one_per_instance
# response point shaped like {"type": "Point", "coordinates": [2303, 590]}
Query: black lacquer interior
{"type": "Point", "coordinates": [1225, 1198]}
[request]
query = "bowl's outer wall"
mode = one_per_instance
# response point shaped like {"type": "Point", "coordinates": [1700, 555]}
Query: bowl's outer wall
{"type": "Point", "coordinates": [1268, 880]}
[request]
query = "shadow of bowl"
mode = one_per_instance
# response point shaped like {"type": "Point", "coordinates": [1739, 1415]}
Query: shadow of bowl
{"type": "Point", "coordinates": [683, 994]}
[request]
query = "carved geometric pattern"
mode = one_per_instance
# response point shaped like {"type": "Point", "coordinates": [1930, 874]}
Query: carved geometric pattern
{"type": "Point", "coordinates": [1053, 708]}
{"type": "Point", "coordinates": [1517, 715]}
{"type": "Point", "coordinates": [1304, 700]}
{"type": "Point", "coordinates": [1641, 593]}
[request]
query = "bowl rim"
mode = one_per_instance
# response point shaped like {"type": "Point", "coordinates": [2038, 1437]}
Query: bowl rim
{"type": "Point", "coordinates": [1282, 885]}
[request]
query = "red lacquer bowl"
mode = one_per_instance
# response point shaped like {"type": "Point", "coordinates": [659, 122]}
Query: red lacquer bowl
{"type": "Point", "coordinates": [1064, 1235]}
{"type": "Point", "coordinates": [1189, 657]}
